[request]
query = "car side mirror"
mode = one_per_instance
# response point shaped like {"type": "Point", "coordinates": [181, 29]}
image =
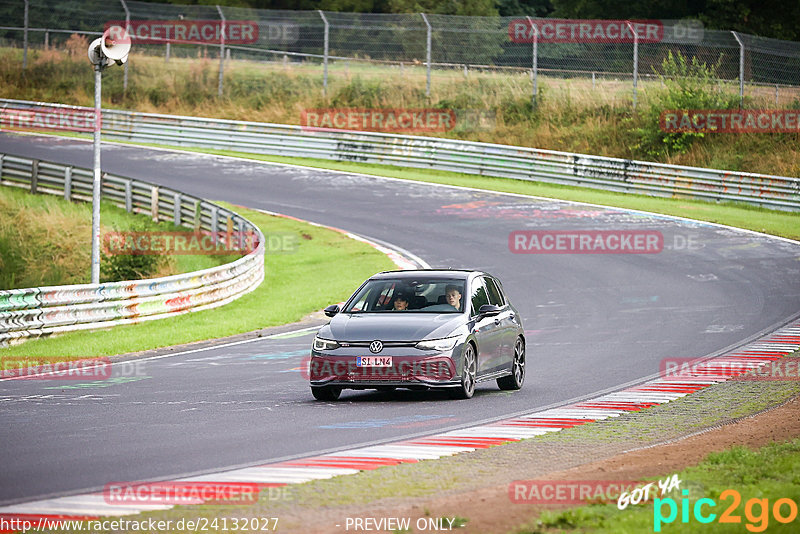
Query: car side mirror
{"type": "Point", "coordinates": [331, 310]}
{"type": "Point", "coordinates": [489, 310]}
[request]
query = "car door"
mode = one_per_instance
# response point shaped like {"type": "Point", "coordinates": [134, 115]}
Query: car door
{"type": "Point", "coordinates": [506, 326]}
{"type": "Point", "coordinates": [485, 329]}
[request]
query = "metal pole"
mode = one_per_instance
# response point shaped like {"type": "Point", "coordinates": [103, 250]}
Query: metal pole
{"type": "Point", "coordinates": [166, 55]}
{"type": "Point", "coordinates": [221, 50]}
{"type": "Point", "coordinates": [428, 55]}
{"type": "Point", "coordinates": [325, 52]}
{"type": "Point", "coordinates": [635, 61]}
{"type": "Point", "coordinates": [127, 29]}
{"type": "Point", "coordinates": [96, 183]}
{"type": "Point", "coordinates": [25, 38]}
{"type": "Point", "coordinates": [741, 68]}
{"type": "Point", "coordinates": [534, 61]}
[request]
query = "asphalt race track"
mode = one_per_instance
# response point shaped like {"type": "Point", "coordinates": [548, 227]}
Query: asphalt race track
{"type": "Point", "coordinates": [593, 321]}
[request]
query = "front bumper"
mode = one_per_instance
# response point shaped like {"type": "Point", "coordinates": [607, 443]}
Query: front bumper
{"type": "Point", "coordinates": [406, 371]}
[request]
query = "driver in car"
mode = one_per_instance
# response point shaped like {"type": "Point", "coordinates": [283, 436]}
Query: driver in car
{"type": "Point", "coordinates": [453, 296]}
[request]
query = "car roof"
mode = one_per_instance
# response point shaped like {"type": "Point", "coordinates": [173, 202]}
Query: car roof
{"type": "Point", "coordinates": [429, 273]}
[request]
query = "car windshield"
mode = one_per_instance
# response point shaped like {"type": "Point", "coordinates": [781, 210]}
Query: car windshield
{"type": "Point", "coordinates": [419, 295]}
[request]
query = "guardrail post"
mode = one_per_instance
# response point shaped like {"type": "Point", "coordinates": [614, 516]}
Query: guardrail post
{"type": "Point", "coordinates": [128, 196]}
{"type": "Point", "coordinates": [127, 29]}
{"type": "Point", "coordinates": [197, 213]}
{"type": "Point", "coordinates": [741, 68]}
{"type": "Point", "coordinates": [221, 50]}
{"type": "Point", "coordinates": [427, 56]}
{"type": "Point", "coordinates": [68, 183]}
{"type": "Point", "coordinates": [154, 203]}
{"type": "Point", "coordinates": [325, 45]}
{"type": "Point", "coordinates": [214, 223]}
{"type": "Point", "coordinates": [34, 175]}
{"type": "Point", "coordinates": [534, 62]}
{"type": "Point", "coordinates": [176, 209]}
{"type": "Point", "coordinates": [25, 38]}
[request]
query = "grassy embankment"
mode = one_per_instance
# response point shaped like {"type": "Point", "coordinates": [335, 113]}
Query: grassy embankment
{"type": "Point", "coordinates": [45, 241]}
{"type": "Point", "coordinates": [572, 115]}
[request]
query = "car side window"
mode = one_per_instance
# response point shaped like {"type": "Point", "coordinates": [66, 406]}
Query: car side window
{"type": "Point", "coordinates": [478, 296]}
{"type": "Point", "coordinates": [495, 295]}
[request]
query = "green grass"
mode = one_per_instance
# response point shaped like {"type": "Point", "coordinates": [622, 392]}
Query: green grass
{"type": "Point", "coordinates": [771, 472]}
{"type": "Point", "coordinates": [325, 268]}
{"type": "Point", "coordinates": [45, 240]}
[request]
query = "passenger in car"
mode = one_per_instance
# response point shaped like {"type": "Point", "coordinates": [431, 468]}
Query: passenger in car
{"type": "Point", "coordinates": [400, 302]}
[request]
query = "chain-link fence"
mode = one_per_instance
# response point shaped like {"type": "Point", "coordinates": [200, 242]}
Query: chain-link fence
{"type": "Point", "coordinates": [629, 51]}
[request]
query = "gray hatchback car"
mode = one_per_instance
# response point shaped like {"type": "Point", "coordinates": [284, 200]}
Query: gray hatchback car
{"type": "Point", "coordinates": [418, 330]}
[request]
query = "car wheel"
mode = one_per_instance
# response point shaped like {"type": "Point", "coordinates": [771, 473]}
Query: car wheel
{"type": "Point", "coordinates": [326, 393]}
{"type": "Point", "coordinates": [517, 376]}
{"type": "Point", "coordinates": [467, 387]}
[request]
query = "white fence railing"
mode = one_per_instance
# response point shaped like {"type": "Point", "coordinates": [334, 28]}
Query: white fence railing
{"type": "Point", "coordinates": [41, 311]}
{"type": "Point", "coordinates": [613, 174]}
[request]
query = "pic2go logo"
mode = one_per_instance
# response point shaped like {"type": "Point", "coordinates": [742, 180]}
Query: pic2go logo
{"type": "Point", "coordinates": [756, 511]}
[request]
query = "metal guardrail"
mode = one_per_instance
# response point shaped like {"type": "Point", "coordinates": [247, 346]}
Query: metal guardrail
{"type": "Point", "coordinates": [41, 311]}
{"type": "Point", "coordinates": [612, 174]}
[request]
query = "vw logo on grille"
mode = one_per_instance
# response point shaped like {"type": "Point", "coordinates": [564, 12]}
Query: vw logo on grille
{"type": "Point", "coordinates": [376, 346]}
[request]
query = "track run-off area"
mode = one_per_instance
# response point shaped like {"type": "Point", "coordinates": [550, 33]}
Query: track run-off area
{"type": "Point", "coordinates": [594, 323]}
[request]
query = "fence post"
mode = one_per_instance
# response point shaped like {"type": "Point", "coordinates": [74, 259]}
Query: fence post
{"type": "Point", "coordinates": [326, 44]}
{"type": "Point", "coordinates": [166, 54]}
{"type": "Point", "coordinates": [25, 38]}
{"type": "Point", "coordinates": [741, 68]}
{"type": "Point", "coordinates": [221, 50]}
{"type": "Point", "coordinates": [68, 184]}
{"type": "Point", "coordinates": [534, 61]}
{"type": "Point", "coordinates": [635, 60]}
{"type": "Point", "coordinates": [47, 40]}
{"type": "Point", "coordinates": [428, 56]}
{"type": "Point", "coordinates": [127, 29]}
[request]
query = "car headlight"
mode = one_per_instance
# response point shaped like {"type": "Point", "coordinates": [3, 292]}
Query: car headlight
{"type": "Point", "coordinates": [439, 345]}
{"type": "Point", "coordinates": [324, 344]}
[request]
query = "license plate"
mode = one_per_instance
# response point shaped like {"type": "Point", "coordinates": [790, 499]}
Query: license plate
{"type": "Point", "coordinates": [374, 361]}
